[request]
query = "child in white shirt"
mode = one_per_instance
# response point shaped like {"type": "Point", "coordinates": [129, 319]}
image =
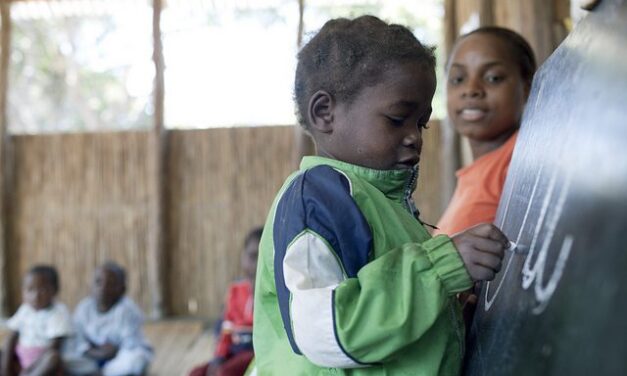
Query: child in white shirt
{"type": "Point", "coordinates": [38, 328]}
{"type": "Point", "coordinates": [109, 329]}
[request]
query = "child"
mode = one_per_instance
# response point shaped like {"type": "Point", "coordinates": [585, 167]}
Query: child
{"type": "Point", "coordinates": [489, 78]}
{"type": "Point", "coordinates": [349, 282]}
{"type": "Point", "coordinates": [38, 328]}
{"type": "Point", "coordinates": [110, 327]}
{"type": "Point", "coordinates": [234, 349]}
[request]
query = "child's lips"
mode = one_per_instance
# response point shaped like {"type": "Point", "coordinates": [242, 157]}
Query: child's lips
{"type": "Point", "coordinates": [409, 162]}
{"type": "Point", "coordinates": [472, 114]}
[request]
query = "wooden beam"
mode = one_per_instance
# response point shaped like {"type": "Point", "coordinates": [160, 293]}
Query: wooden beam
{"type": "Point", "coordinates": [450, 158]}
{"type": "Point", "coordinates": [486, 13]}
{"type": "Point", "coordinates": [5, 46]}
{"type": "Point", "coordinates": [303, 143]}
{"type": "Point", "coordinates": [450, 25]}
{"type": "Point", "coordinates": [301, 23]}
{"type": "Point", "coordinates": [539, 22]}
{"type": "Point", "coordinates": [156, 242]}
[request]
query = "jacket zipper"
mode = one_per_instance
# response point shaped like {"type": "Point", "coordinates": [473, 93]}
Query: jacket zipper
{"type": "Point", "coordinates": [409, 203]}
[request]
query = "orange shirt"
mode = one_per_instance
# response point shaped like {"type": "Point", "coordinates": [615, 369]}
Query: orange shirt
{"type": "Point", "coordinates": [478, 191]}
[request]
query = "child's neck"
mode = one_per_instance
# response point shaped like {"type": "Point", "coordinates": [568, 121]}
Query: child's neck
{"type": "Point", "coordinates": [43, 308]}
{"type": "Point", "coordinates": [106, 306]}
{"type": "Point", "coordinates": [481, 148]}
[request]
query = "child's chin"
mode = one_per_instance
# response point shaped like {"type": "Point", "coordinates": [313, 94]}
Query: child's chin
{"type": "Point", "coordinates": [403, 166]}
{"type": "Point", "coordinates": [38, 307]}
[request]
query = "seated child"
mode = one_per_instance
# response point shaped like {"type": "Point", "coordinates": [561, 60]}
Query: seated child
{"type": "Point", "coordinates": [38, 328]}
{"type": "Point", "coordinates": [349, 282]}
{"type": "Point", "coordinates": [234, 349]}
{"type": "Point", "coordinates": [109, 327]}
{"type": "Point", "coordinates": [489, 78]}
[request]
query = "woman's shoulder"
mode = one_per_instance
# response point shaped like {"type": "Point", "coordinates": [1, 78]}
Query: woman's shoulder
{"type": "Point", "coordinates": [490, 163]}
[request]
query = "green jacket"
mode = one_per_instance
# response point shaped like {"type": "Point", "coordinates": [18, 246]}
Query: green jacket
{"type": "Point", "coordinates": [349, 282]}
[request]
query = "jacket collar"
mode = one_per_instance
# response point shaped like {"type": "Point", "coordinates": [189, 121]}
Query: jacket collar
{"type": "Point", "coordinates": [395, 184]}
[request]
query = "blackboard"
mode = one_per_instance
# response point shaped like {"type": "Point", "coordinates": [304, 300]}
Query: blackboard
{"type": "Point", "coordinates": [559, 306]}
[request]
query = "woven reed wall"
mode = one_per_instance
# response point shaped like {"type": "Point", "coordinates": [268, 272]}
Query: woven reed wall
{"type": "Point", "coordinates": [222, 183]}
{"type": "Point", "coordinates": [77, 200]}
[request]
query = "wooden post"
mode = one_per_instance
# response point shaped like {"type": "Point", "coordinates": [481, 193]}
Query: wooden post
{"type": "Point", "coordinates": [303, 144]}
{"type": "Point", "coordinates": [5, 46]}
{"type": "Point", "coordinates": [450, 26]}
{"type": "Point", "coordinates": [450, 158]}
{"type": "Point", "coordinates": [546, 29]}
{"type": "Point", "coordinates": [156, 258]}
{"type": "Point", "coordinates": [539, 21]}
{"type": "Point", "coordinates": [486, 13]}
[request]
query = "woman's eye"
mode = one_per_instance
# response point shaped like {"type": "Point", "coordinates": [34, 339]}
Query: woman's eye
{"type": "Point", "coordinates": [455, 80]}
{"type": "Point", "coordinates": [493, 79]}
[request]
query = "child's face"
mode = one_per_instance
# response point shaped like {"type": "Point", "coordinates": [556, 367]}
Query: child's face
{"type": "Point", "coordinates": [382, 128]}
{"type": "Point", "coordinates": [485, 90]}
{"type": "Point", "coordinates": [249, 259]}
{"type": "Point", "coordinates": [107, 288]}
{"type": "Point", "coordinates": [38, 291]}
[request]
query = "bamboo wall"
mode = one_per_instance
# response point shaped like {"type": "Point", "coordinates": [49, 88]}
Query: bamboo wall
{"type": "Point", "coordinates": [221, 184]}
{"type": "Point", "coordinates": [77, 200]}
{"type": "Point", "coordinates": [80, 199]}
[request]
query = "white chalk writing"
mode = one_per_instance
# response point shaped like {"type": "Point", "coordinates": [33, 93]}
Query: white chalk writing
{"type": "Point", "coordinates": [535, 264]}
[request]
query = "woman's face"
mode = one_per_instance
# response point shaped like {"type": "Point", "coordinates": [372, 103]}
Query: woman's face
{"type": "Point", "coordinates": [486, 93]}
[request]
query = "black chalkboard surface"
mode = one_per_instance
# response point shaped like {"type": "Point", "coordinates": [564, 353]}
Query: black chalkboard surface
{"type": "Point", "coordinates": [559, 305]}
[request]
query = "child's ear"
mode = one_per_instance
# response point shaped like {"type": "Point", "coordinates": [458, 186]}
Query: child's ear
{"type": "Point", "coordinates": [320, 111]}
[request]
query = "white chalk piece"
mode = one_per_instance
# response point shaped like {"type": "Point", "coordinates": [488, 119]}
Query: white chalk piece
{"type": "Point", "coordinates": [517, 248]}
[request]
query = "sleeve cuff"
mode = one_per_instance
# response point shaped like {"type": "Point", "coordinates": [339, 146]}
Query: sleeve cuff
{"type": "Point", "coordinates": [448, 264]}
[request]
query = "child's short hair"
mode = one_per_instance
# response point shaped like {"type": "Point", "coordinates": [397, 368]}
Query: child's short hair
{"type": "Point", "coordinates": [254, 234]}
{"type": "Point", "coordinates": [346, 56]}
{"type": "Point", "coordinates": [521, 50]}
{"type": "Point", "coordinates": [116, 269]}
{"type": "Point", "coordinates": [49, 272]}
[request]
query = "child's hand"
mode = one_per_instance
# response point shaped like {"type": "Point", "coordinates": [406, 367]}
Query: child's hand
{"type": "Point", "coordinates": [109, 351]}
{"type": "Point", "coordinates": [214, 367]}
{"type": "Point", "coordinates": [102, 352]}
{"type": "Point", "coordinates": [481, 248]}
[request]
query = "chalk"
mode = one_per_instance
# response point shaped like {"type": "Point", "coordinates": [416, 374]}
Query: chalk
{"type": "Point", "coordinates": [517, 248]}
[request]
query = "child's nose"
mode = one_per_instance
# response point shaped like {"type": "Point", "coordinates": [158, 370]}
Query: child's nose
{"type": "Point", "coordinates": [413, 139]}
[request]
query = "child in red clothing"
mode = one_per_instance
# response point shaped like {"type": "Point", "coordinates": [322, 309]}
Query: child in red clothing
{"type": "Point", "coordinates": [234, 349]}
{"type": "Point", "coordinates": [489, 77]}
